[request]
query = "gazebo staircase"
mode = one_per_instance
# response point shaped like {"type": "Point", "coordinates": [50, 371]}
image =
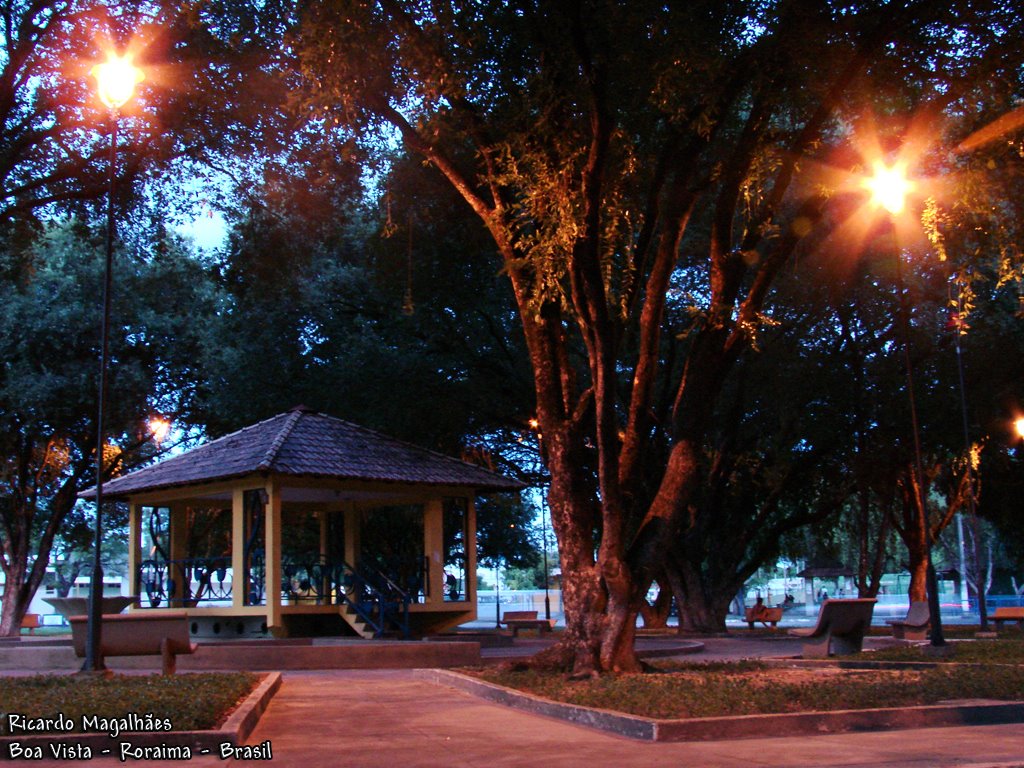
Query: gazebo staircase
{"type": "Point", "coordinates": [357, 622]}
{"type": "Point", "coordinates": [372, 604]}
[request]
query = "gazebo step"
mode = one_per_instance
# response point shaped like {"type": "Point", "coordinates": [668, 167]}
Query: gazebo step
{"type": "Point", "coordinates": [361, 627]}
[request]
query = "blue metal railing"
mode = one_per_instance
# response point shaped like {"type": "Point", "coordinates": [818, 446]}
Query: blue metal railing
{"type": "Point", "coordinates": [374, 597]}
{"type": "Point", "coordinates": [367, 591]}
{"type": "Point", "coordinates": [184, 583]}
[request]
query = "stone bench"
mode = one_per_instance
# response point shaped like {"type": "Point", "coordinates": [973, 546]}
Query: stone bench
{"type": "Point", "coordinates": [516, 620]}
{"type": "Point", "coordinates": [840, 629]}
{"type": "Point", "coordinates": [77, 606]}
{"type": "Point", "coordinates": [915, 625]}
{"type": "Point", "coordinates": [134, 634]}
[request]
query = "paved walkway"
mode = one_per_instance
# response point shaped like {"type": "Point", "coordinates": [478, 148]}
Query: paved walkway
{"type": "Point", "coordinates": [389, 719]}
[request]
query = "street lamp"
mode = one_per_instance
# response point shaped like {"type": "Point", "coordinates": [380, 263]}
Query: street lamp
{"type": "Point", "coordinates": [889, 187]}
{"type": "Point", "coordinates": [159, 428]}
{"type": "Point", "coordinates": [116, 79]}
{"type": "Point", "coordinates": [959, 330]}
{"type": "Point", "coordinates": [544, 535]}
{"type": "Point", "coordinates": [535, 426]}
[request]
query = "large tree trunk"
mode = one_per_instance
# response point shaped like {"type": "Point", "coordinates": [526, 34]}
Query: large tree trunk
{"type": "Point", "coordinates": [601, 595]}
{"type": "Point", "coordinates": [918, 591]}
{"type": "Point", "coordinates": [24, 565]}
{"type": "Point", "coordinates": [914, 535]}
{"type": "Point", "coordinates": [913, 528]}
{"type": "Point", "coordinates": [872, 539]}
{"type": "Point", "coordinates": [14, 602]}
{"type": "Point", "coordinates": [701, 610]}
{"type": "Point", "coordinates": [600, 612]}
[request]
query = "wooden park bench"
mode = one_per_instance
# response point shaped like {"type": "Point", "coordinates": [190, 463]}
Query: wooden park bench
{"type": "Point", "coordinates": [765, 615]}
{"type": "Point", "coordinates": [915, 625]}
{"type": "Point", "coordinates": [133, 634]}
{"type": "Point", "coordinates": [1002, 615]}
{"type": "Point", "coordinates": [516, 620]}
{"type": "Point", "coordinates": [840, 628]}
{"type": "Point", "coordinates": [31, 622]}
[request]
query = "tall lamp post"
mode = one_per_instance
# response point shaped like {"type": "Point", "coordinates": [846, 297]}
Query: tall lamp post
{"type": "Point", "coordinates": [971, 509]}
{"type": "Point", "coordinates": [116, 79]}
{"type": "Point", "coordinates": [544, 534]}
{"type": "Point", "coordinates": [889, 187]}
{"type": "Point", "coordinates": [535, 428]}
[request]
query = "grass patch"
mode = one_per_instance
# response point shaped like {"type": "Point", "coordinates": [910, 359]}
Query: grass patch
{"type": "Point", "coordinates": [54, 631]}
{"type": "Point", "coordinates": [189, 701]}
{"type": "Point", "coordinates": [949, 631]}
{"type": "Point", "coordinates": [678, 691]}
{"type": "Point", "coordinates": [1002, 651]}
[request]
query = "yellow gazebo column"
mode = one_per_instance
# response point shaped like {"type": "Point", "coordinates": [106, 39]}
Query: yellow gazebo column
{"type": "Point", "coordinates": [273, 557]}
{"type": "Point", "coordinates": [238, 570]}
{"type": "Point", "coordinates": [134, 549]}
{"type": "Point", "coordinates": [178, 517]}
{"type": "Point", "coordinates": [469, 589]}
{"type": "Point", "coordinates": [433, 545]}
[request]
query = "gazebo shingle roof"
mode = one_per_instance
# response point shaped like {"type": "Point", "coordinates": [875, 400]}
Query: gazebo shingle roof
{"type": "Point", "coordinates": [304, 443]}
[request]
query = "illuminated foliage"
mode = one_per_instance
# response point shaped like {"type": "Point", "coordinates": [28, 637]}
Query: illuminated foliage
{"type": "Point", "coordinates": [617, 151]}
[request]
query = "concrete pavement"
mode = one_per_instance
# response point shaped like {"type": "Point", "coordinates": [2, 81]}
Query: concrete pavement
{"type": "Point", "coordinates": [387, 718]}
{"type": "Point", "coordinates": [390, 719]}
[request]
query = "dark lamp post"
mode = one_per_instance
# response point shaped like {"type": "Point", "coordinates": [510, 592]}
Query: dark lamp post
{"type": "Point", "coordinates": [535, 427]}
{"type": "Point", "coordinates": [959, 330]}
{"type": "Point", "coordinates": [544, 534]}
{"type": "Point", "coordinates": [116, 79]}
{"type": "Point", "coordinates": [889, 187]}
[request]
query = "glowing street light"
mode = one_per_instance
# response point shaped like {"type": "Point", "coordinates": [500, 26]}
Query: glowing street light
{"type": "Point", "coordinates": [116, 80]}
{"type": "Point", "coordinates": [159, 427]}
{"type": "Point", "coordinates": [1018, 425]}
{"type": "Point", "coordinates": [889, 186]}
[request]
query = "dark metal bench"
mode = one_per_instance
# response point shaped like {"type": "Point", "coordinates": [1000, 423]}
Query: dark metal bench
{"type": "Point", "coordinates": [134, 634]}
{"type": "Point", "coordinates": [840, 629]}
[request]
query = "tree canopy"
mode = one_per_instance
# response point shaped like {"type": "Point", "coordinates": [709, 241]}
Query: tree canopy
{"type": "Point", "coordinates": [632, 237]}
{"type": "Point", "coordinates": [615, 152]}
{"type": "Point", "coordinates": [50, 347]}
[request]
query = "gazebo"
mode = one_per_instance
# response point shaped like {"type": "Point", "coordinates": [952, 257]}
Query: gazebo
{"type": "Point", "coordinates": [305, 524]}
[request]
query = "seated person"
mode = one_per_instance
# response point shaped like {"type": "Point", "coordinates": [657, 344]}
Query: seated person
{"type": "Point", "coordinates": [759, 612]}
